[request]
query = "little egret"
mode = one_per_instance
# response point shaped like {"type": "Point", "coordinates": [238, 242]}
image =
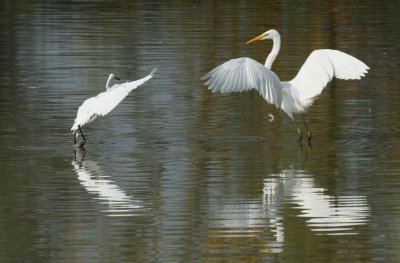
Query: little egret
{"type": "Point", "coordinates": [294, 96]}
{"type": "Point", "coordinates": [104, 102]}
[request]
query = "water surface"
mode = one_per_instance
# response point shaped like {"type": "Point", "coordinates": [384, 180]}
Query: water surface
{"type": "Point", "coordinates": [176, 173]}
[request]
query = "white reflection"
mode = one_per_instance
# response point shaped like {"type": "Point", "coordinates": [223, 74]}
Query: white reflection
{"type": "Point", "coordinates": [325, 213]}
{"type": "Point", "coordinates": [95, 182]}
{"type": "Point", "coordinates": [237, 219]}
{"type": "Point", "coordinates": [262, 218]}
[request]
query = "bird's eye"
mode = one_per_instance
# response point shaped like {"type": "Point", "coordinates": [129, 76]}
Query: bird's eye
{"type": "Point", "coordinates": [116, 78]}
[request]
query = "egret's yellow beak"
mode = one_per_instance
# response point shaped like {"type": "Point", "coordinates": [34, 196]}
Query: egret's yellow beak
{"type": "Point", "coordinates": [257, 38]}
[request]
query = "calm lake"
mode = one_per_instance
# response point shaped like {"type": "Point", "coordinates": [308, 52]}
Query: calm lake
{"type": "Point", "coordinates": [177, 173]}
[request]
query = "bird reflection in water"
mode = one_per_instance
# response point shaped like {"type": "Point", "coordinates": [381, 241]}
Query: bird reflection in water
{"type": "Point", "coordinates": [325, 214]}
{"type": "Point", "coordinates": [262, 218]}
{"type": "Point", "coordinates": [93, 179]}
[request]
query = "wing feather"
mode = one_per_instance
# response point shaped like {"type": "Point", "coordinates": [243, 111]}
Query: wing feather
{"type": "Point", "coordinates": [319, 69]}
{"type": "Point", "coordinates": [108, 100]}
{"type": "Point", "coordinates": [243, 74]}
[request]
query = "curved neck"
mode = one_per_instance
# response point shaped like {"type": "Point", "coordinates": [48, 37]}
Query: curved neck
{"type": "Point", "coordinates": [274, 52]}
{"type": "Point", "coordinates": [108, 84]}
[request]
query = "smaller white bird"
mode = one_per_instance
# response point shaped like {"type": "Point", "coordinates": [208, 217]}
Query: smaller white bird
{"type": "Point", "coordinates": [104, 103]}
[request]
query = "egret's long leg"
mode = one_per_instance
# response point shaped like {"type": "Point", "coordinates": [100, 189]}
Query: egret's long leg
{"type": "Point", "coordinates": [80, 130]}
{"type": "Point", "coordinates": [75, 136]}
{"type": "Point", "coordinates": [308, 130]}
{"type": "Point", "coordinates": [298, 130]}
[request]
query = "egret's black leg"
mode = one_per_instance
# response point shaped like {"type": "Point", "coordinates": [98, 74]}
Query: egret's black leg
{"type": "Point", "coordinates": [75, 136]}
{"type": "Point", "coordinates": [298, 130]}
{"type": "Point", "coordinates": [308, 130]}
{"type": "Point", "coordinates": [80, 130]}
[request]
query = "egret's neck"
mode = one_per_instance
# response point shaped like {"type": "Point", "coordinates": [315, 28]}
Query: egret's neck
{"type": "Point", "coordinates": [108, 84]}
{"type": "Point", "coordinates": [274, 52]}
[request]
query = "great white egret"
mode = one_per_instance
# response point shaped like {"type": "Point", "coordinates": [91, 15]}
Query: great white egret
{"type": "Point", "coordinates": [294, 96]}
{"type": "Point", "coordinates": [104, 102]}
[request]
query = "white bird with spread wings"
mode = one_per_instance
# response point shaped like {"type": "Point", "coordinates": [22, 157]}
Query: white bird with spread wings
{"type": "Point", "coordinates": [294, 96]}
{"type": "Point", "coordinates": [104, 102]}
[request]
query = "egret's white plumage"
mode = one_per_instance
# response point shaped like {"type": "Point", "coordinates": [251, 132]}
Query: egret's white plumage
{"type": "Point", "coordinates": [105, 101]}
{"type": "Point", "coordinates": [294, 96]}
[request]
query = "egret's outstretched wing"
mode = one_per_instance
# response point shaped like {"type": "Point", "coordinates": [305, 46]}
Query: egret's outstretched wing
{"type": "Point", "coordinates": [106, 101]}
{"type": "Point", "coordinates": [321, 66]}
{"type": "Point", "coordinates": [242, 74]}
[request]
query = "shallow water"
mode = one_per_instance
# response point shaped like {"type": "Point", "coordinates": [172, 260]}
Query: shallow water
{"type": "Point", "coordinates": [176, 173]}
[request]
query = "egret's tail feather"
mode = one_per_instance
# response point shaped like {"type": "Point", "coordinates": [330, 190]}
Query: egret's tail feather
{"type": "Point", "coordinates": [153, 71]}
{"type": "Point", "coordinates": [139, 82]}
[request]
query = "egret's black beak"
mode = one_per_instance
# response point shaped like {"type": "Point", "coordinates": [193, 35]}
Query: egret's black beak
{"type": "Point", "coordinates": [117, 78]}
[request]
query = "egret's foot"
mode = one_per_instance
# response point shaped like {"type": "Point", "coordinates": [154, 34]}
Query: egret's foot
{"type": "Point", "coordinates": [309, 136]}
{"type": "Point", "coordinates": [80, 144]}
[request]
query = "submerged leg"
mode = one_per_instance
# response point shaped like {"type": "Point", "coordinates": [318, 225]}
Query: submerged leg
{"type": "Point", "coordinates": [308, 130]}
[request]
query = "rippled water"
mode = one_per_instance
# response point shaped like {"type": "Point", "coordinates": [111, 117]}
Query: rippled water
{"type": "Point", "coordinates": [177, 174]}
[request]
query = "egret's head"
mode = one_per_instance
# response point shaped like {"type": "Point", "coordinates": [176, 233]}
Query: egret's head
{"type": "Point", "coordinates": [112, 76]}
{"type": "Point", "coordinates": [270, 34]}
